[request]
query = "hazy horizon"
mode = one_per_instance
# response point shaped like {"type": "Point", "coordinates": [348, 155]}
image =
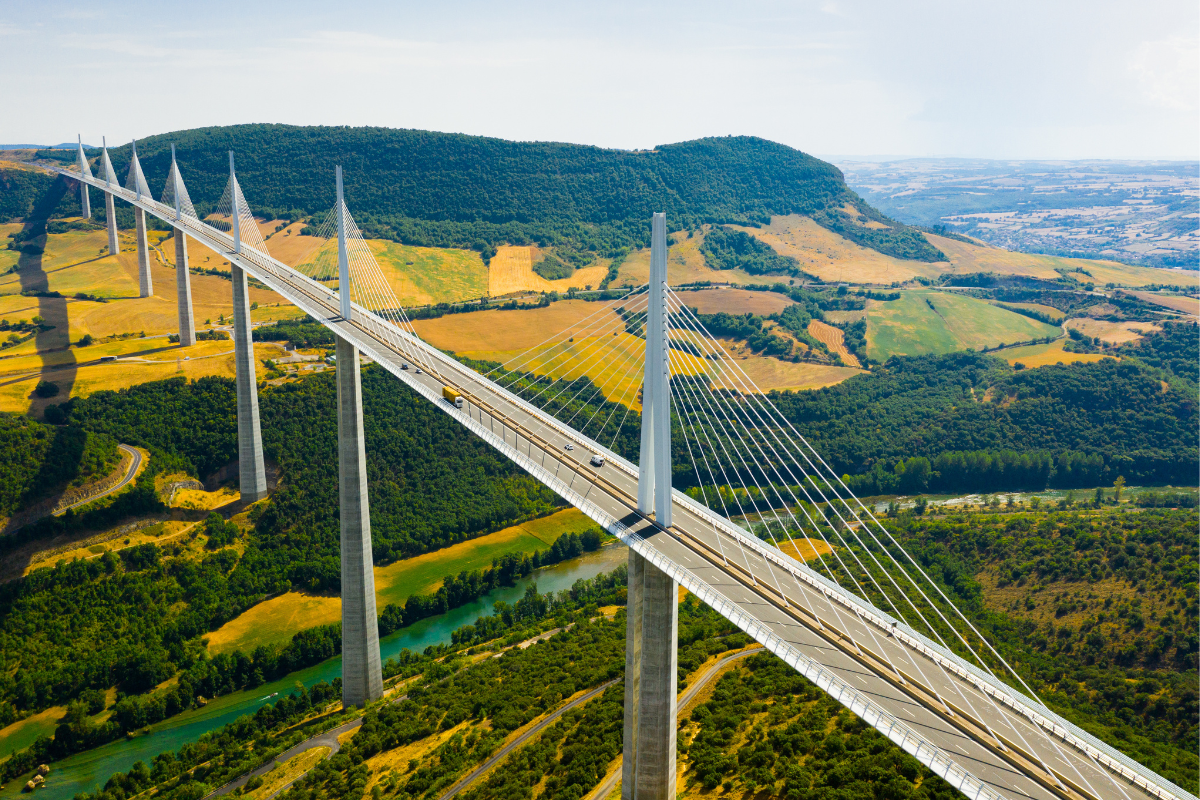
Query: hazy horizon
{"type": "Point", "coordinates": [1075, 80]}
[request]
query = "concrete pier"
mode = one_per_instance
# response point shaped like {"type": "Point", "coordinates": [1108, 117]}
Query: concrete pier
{"type": "Point", "coordinates": [183, 289]}
{"type": "Point", "coordinates": [652, 626]}
{"type": "Point", "coordinates": [651, 660]}
{"type": "Point", "coordinates": [253, 475]}
{"type": "Point", "coordinates": [362, 675]}
{"type": "Point", "coordinates": [145, 283]}
{"type": "Point", "coordinates": [110, 218]}
{"type": "Point", "coordinates": [85, 202]}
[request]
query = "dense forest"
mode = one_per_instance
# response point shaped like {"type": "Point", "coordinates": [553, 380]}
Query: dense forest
{"type": "Point", "coordinates": [727, 248]}
{"type": "Point", "coordinates": [453, 190]}
{"type": "Point", "coordinates": [1104, 624]}
{"type": "Point", "coordinates": [37, 459]}
{"type": "Point", "coordinates": [1142, 427]}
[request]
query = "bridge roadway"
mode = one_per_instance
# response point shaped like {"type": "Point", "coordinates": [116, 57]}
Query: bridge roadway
{"type": "Point", "coordinates": [770, 596]}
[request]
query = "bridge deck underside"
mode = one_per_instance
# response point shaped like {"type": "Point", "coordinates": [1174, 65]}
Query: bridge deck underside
{"type": "Point", "coordinates": [771, 597]}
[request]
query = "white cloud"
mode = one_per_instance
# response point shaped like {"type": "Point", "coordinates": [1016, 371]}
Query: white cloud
{"type": "Point", "coordinates": [1168, 71]}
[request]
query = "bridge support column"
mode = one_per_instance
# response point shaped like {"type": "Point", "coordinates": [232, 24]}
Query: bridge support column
{"type": "Point", "coordinates": [85, 202]}
{"type": "Point", "coordinates": [362, 675]}
{"type": "Point", "coordinates": [651, 659]}
{"type": "Point", "coordinates": [110, 218]}
{"type": "Point", "coordinates": [252, 472]}
{"type": "Point", "coordinates": [651, 636]}
{"type": "Point", "coordinates": [183, 289]}
{"type": "Point", "coordinates": [145, 283]}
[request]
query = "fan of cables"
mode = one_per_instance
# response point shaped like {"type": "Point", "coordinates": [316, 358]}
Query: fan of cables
{"type": "Point", "coordinates": [750, 464]}
{"type": "Point", "coordinates": [588, 376]}
{"type": "Point", "coordinates": [369, 289]}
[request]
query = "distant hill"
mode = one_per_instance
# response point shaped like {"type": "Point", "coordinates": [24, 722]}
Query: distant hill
{"type": "Point", "coordinates": [423, 187]}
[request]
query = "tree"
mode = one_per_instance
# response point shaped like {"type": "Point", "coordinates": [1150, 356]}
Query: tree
{"type": "Point", "coordinates": [46, 389]}
{"type": "Point", "coordinates": [1099, 495]}
{"type": "Point", "coordinates": [1118, 485]}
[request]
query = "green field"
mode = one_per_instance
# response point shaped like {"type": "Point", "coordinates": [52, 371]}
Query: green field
{"type": "Point", "coordinates": [421, 275]}
{"type": "Point", "coordinates": [928, 322]}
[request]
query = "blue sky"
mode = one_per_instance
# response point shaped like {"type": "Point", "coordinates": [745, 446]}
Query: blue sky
{"type": "Point", "coordinates": [1016, 79]}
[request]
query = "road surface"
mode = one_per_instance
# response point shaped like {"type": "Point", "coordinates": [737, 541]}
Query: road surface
{"type": "Point", "coordinates": [134, 463]}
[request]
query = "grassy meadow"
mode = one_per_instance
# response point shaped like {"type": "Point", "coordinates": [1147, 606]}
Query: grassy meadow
{"type": "Point", "coordinates": [925, 322]}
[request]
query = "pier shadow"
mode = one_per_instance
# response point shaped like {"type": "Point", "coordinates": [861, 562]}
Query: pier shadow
{"type": "Point", "coordinates": [55, 335]}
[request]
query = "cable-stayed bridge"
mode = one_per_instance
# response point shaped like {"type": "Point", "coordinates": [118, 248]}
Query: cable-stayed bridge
{"type": "Point", "coordinates": [806, 569]}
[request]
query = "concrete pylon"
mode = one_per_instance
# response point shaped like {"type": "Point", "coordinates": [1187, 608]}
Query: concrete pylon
{"type": "Point", "coordinates": [252, 471]}
{"type": "Point", "coordinates": [652, 623]}
{"type": "Point", "coordinates": [654, 471]}
{"type": "Point", "coordinates": [85, 202]}
{"type": "Point", "coordinates": [183, 279]}
{"type": "Point", "coordinates": [362, 675]}
{"type": "Point", "coordinates": [110, 210]}
{"type": "Point", "coordinates": [145, 282]}
{"type": "Point", "coordinates": [110, 213]}
{"type": "Point", "coordinates": [183, 289]}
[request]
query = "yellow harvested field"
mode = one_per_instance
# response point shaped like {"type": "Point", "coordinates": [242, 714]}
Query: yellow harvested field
{"type": "Point", "coordinates": [498, 330]}
{"type": "Point", "coordinates": [1112, 332]}
{"type": "Point", "coordinates": [511, 272]}
{"type": "Point", "coordinates": [770, 373]}
{"type": "Point", "coordinates": [1188, 305]}
{"type": "Point", "coordinates": [831, 258]}
{"type": "Point", "coordinates": [804, 549]}
{"type": "Point", "coordinates": [283, 774]}
{"type": "Point", "coordinates": [198, 498]}
{"type": "Point", "coordinates": [966, 258]}
{"type": "Point", "coordinates": [833, 338]}
{"type": "Point", "coordinates": [735, 301]}
{"type": "Point", "coordinates": [86, 374]}
{"type": "Point", "coordinates": [1040, 355]}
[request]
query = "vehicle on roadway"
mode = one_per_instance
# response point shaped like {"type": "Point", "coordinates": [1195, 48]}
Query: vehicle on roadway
{"type": "Point", "coordinates": [418, 370]}
{"type": "Point", "coordinates": [404, 366]}
{"type": "Point", "coordinates": [568, 447]}
{"type": "Point", "coordinates": [453, 396]}
{"type": "Point", "coordinates": [597, 460]}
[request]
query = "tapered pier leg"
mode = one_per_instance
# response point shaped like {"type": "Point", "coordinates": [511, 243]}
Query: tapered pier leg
{"type": "Point", "coordinates": [651, 657]}
{"type": "Point", "coordinates": [183, 289]}
{"type": "Point", "coordinates": [253, 475]}
{"type": "Point", "coordinates": [85, 202]}
{"type": "Point", "coordinates": [145, 284]}
{"type": "Point", "coordinates": [110, 217]}
{"type": "Point", "coordinates": [362, 676]}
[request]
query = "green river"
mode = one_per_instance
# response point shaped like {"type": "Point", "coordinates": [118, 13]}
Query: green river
{"type": "Point", "coordinates": [85, 772]}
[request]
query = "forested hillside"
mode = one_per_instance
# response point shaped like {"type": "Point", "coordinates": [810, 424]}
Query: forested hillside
{"type": "Point", "coordinates": [428, 188]}
{"type": "Point", "coordinates": [73, 627]}
{"type": "Point", "coordinates": [1140, 425]}
{"type": "Point", "coordinates": [36, 459]}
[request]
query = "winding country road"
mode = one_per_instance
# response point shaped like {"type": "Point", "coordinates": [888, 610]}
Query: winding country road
{"type": "Point", "coordinates": [523, 738]}
{"type": "Point", "coordinates": [134, 464]}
